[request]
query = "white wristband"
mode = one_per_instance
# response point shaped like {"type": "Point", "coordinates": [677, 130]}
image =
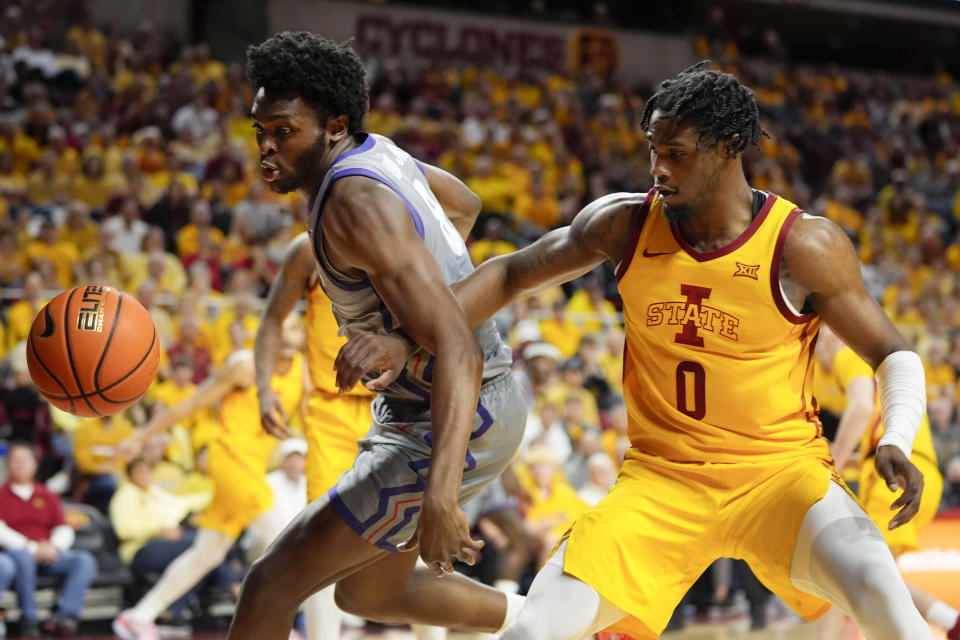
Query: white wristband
{"type": "Point", "coordinates": [903, 399]}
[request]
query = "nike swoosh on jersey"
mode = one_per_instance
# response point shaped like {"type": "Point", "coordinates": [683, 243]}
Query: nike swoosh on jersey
{"type": "Point", "coordinates": [648, 254]}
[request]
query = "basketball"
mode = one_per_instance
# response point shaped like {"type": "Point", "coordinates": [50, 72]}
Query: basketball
{"type": "Point", "coordinates": [93, 351]}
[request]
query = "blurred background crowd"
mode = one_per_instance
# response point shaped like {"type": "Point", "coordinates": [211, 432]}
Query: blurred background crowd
{"type": "Point", "coordinates": [128, 158]}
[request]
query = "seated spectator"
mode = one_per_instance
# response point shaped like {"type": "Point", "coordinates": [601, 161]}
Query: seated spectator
{"type": "Point", "coordinates": [22, 409]}
{"type": "Point", "coordinates": [602, 473]}
{"type": "Point", "coordinates": [128, 227]}
{"type": "Point", "coordinates": [561, 331]}
{"type": "Point", "coordinates": [491, 244]}
{"type": "Point", "coordinates": [539, 207]}
{"type": "Point", "coordinates": [288, 483]}
{"type": "Point", "coordinates": [147, 520]}
{"type": "Point", "coordinates": [35, 536]}
{"type": "Point", "coordinates": [78, 229]}
{"type": "Point", "coordinates": [171, 212]}
{"type": "Point", "coordinates": [21, 314]}
{"type": "Point", "coordinates": [554, 504]}
{"type": "Point", "coordinates": [262, 214]}
{"type": "Point", "coordinates": [94, 186]}
{"type": "Point", "coordinates": [50, 248]}
{"type": "Point", "coordinates": [95, 445]}
{"type": "Point", "coordinates": [590, 309]}
{"type": "Point", "coordinates": [188, 238]}
{"type": "Point", "coordinates": [11, 259]}
{"type": "Point", "coordinates": [45, 182]}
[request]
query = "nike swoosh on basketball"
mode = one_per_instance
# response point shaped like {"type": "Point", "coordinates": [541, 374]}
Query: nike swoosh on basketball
{"type": "Point", "coordinates": [48, 324]}
{"type": "Point", "coordinates": [648, 254]}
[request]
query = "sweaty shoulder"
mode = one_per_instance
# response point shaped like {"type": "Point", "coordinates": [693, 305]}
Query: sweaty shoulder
{"type": "Point", "coordinates": [604, 224]}
{"type": "Point", "coordinates": [817, 255]}
{"type": "Point", "coordinates": [358, 206]}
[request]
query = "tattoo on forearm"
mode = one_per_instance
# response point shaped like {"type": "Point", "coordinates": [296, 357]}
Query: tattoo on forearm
{"type": "Point", "coordinates": [540, 257]}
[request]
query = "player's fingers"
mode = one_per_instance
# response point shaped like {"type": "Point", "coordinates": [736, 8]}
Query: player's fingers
{"type": "Point", "coordinates": [904, 515]}
{"type": "Point", "coordinates": [279, 407]}
{"type": "Point", "coordinates": [354, 365]}
{"type": "Point", "coordinates": [468, 556]}
{"type": "Point", "coordinates": [410, 544]}
{"type": "Point", "coordinates": [885, 469]}
{"type": "Point", "coordinates": [383, 381]}
{"type": "Point", "coordinates": [476, 545]}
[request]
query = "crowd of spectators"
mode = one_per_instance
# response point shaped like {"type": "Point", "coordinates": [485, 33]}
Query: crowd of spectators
{"type": "Point", "coordinates": [129, 160]}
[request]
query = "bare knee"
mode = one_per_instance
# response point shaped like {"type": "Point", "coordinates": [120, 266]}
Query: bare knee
{"type": "Point", "coordinates": [371, 605]}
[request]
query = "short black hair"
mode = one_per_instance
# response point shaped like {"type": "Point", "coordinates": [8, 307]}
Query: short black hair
{"type": "Point", "coordinates": [21, 444]}
{"type": "Point", "coordinates": [716, 104]}
{"type": "Point", "coordinates": [328, 75]}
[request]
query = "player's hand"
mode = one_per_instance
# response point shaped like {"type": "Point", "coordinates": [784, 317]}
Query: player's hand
{"type": "Point", "coordinates": [443, 536]}
{"type": "Point", "coordinates": [899, 473]}
{"type": "Point", "coordinates": [272, 416]}
{"type": "Point", "coordinates": [367, 351]}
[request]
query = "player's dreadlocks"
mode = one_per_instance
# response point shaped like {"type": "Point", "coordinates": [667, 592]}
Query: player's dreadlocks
{"type": "Point", "coordinates": [328, 75]}
{"type": "Point", "coordinates": [718, 107]}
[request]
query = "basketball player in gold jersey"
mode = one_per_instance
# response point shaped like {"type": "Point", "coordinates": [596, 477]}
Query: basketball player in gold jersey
{"type": "Point", "coordinates": [237, 464]}
{"type": "Point", "coordinates": [724, 288]}
{"type": "Point", "coordinates": [862, 423]}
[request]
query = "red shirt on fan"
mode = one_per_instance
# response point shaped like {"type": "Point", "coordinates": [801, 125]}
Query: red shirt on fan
{"type": "Point", "coordinates": [34, 518]}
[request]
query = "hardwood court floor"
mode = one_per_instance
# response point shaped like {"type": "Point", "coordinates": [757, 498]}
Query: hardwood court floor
{"type": "Point", "coordinates": [736, 629]}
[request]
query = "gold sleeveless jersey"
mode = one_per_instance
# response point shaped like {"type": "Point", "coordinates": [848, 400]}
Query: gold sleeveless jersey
{"type": "Point", "coordinates": [240, 431]}
{"type": "Point", "coordinates": [324, 342]}
{"type": "Point", "coordinates": [718, 368]}
{"type": "Point", "coordinates": [847, 365]}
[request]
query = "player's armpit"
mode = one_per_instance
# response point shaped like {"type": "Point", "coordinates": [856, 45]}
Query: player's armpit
{"type": "Point", "coordinates": [599, 233]}
{"type": "Point", "coordinates": [820, 263]}
{"type": "Point", "coordinates": [461, 205]}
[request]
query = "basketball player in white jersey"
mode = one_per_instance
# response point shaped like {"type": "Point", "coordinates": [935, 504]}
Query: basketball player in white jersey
{"type": "Point", "coordinates": [386, 254]}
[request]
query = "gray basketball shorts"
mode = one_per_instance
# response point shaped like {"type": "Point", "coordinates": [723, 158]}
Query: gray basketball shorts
{"type": "Point", "coordinates": [490, 500]}
{"type": "Point", "coordinates": [380, 495]}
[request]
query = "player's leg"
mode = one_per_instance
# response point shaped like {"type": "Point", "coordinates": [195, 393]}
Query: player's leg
{"type": "Point", "coordinates": [841, 557]}
{"type": "Point", "coordinates": [934, 610]}
{"type": "Point", "coordinates": [877, 498]}
{"type": "Point", "coordinates": [561, 607]}
{"type": "Point", "coordinates": [315, 550]}
{"type": "Point", "coordinates": [334, 424]}
{"type": "Point", "coordinates": [390, 590]}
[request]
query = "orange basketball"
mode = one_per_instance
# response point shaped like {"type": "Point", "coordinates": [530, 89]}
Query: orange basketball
{"type": "Point", "coordinates": [93, 351]}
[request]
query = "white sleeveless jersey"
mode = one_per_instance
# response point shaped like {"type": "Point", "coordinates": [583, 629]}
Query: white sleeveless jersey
{"type": "Point", "coordinates": [356, 305]}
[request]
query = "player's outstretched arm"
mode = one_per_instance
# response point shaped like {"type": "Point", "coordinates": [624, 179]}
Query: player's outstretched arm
{"type": "Point", "coordinates": [820, 266]}
{"type": "Point", "coordinates": [461, 205]}
{"type": "Point", "coordinates": [368, 228]}
{"type": "Point", "coordinates": [856, 416]}
{"type": "Point", "coordinates": [236, 372]}
{"type": "Point", "coordinates": [290, 285]}
{"type": "Point", "coordinates": [598, 234]}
